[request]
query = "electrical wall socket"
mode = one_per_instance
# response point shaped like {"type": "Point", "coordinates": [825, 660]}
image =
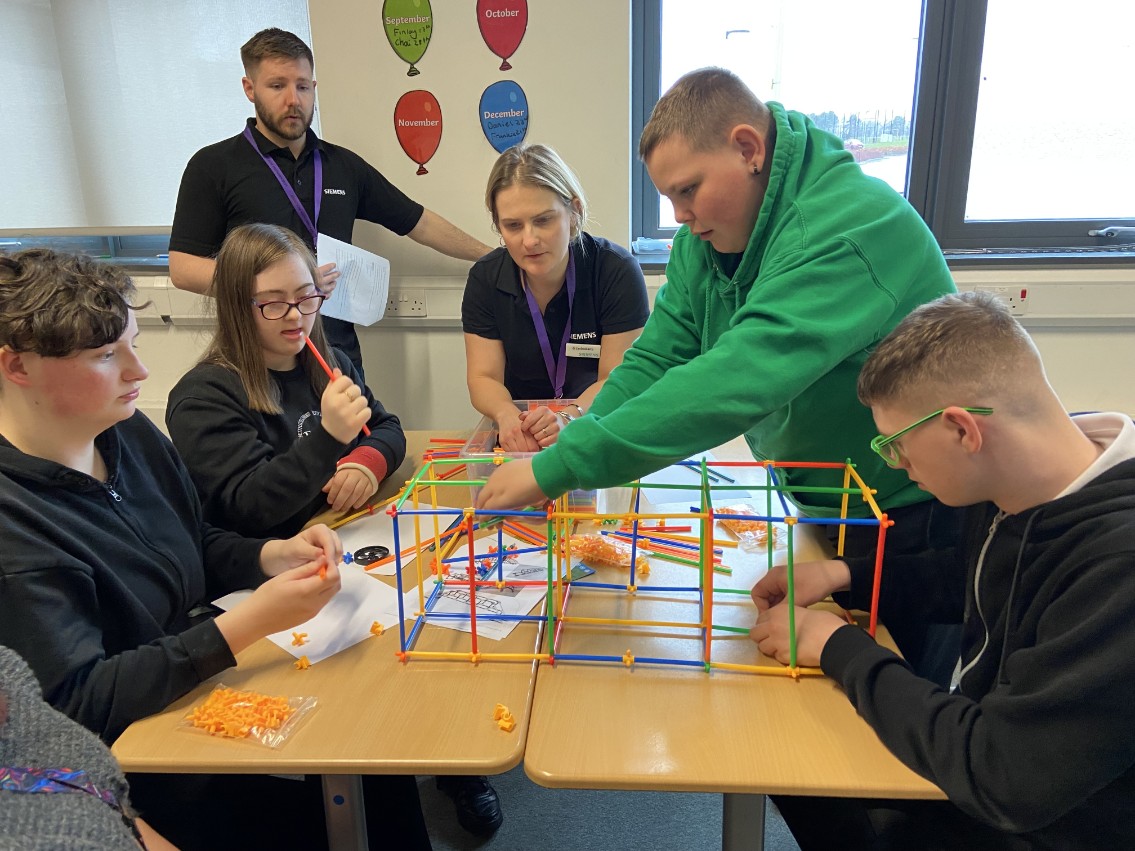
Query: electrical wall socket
{"type": "Point", "coordinates": [401, 303]}
{"type": "Point", "coordinates": [1015, 298]}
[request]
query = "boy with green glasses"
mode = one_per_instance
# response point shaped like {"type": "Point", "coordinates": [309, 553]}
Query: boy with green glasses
{"type": "Point", "coordinates": [1033, 743]}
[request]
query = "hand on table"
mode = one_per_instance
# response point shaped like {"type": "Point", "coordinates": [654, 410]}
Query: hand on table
{"type": "Point", "coordinates": [349, 488]}
{"type": "Point", "coordinates": [813, 629]}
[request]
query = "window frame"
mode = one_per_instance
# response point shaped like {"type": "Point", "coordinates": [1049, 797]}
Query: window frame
{"type": "Point", "coordinates": [132, 250]}
{"type": "Point", "coordinates": [942, 126]}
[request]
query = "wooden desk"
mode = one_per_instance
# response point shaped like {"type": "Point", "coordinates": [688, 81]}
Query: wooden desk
{"type": "Point", "coordinates": [672, 729]}
{"type": "Point", "coordinates": [375, 716]}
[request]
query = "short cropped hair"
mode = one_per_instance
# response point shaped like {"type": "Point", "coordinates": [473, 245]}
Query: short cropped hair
{"type": "Point", "coordinates": [540, 166]}
{"type": "Point", "coordinates": [961, 349]}
{"type": "Point", "coordinates": [702, 107]}
{"type": "Point", "coordinates": [246, 252]}
{"type": "Point", "coordinates": [273, 43]}
{"type": "Point", "coordinates": [54, 304]}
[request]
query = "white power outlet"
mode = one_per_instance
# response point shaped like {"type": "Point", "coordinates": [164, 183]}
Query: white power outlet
{"type": "Point", "coordinates": [1015, 298]}
{"type": "Point", "coordinates": [401, 302]}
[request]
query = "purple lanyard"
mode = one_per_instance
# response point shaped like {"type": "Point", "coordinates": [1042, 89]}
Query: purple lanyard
{"type": "Point", "coordinates": [287, 187]}
{"type": "Point", "coordinates": [557, 370]}
{"type": "Point", "coordinates": [61, 780]}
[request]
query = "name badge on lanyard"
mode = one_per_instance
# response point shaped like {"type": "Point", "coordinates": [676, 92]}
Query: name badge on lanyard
{"type": "Point", "coordinates": [583, 350]}
{"type": "Point", "coordinates": [287, 187]}
{"type": "Point", "coordinates": [557, 368]}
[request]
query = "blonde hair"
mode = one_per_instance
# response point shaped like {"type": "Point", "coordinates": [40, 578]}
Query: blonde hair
{"type": "Point", "coordinates": [961, 349]}
{"type": "Point", "coordinates": [702, 108]}
{"type": "Point", "coordinates": [540, 166]}
{"type": "Point", "coordinates": [246, 252]}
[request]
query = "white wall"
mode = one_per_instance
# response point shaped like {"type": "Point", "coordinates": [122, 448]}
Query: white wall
{"type": "Point", "coordinates": [574, 67]}
{"type": "Point", "coordinates": [579, 103]}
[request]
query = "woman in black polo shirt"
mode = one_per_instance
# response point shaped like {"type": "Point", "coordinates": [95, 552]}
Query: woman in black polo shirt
{"type": "Point", "coordinates": [550, 314]}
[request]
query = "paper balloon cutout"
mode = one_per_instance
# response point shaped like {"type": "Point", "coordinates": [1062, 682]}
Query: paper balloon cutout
{"type": "Point", "coordinates": [504, 114]}
{"type": "Point", "coordinates": [409, 25]}
{"type": "Point", "coordinates": [502, 24]}
{"type": "Point", "coordinates": [417, 121]}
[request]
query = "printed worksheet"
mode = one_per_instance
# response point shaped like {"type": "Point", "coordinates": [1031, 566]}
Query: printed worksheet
{"type": "Point", "coordinates": [514, 600]}
{"type": "Point", "coordinates": [364, 282]}
{"type": "Point", "coordinates": [343, 622]}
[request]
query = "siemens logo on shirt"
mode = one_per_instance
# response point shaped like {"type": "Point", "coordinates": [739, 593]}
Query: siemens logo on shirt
{"type": "Point", "coordinates": [584, 335]}
{"type": "Point", "coordinates": [334, 191]}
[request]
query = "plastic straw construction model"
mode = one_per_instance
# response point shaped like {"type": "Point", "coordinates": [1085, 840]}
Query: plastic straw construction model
{"type": "Point", "coordinates": [550, 531]}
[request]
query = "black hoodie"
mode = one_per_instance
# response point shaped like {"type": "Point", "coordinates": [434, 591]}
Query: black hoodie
{"type": "Point", "coordinates": [97, 579]}
{"type": "Point", "coordinates": [263, 474]}
{"type": "Point", "coordinates": [1038, 738]}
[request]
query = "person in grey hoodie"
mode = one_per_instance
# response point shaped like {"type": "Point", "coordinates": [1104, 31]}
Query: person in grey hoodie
{"type": "Point", "coordinates": [60, 788]}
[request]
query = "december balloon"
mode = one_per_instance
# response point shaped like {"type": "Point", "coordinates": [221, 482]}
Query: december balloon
{"type": "Point", "coordinates": [504, 114]}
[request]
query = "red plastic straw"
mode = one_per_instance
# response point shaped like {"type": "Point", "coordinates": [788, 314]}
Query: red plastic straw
{"type": "Point", "coordinates": [327, 369]}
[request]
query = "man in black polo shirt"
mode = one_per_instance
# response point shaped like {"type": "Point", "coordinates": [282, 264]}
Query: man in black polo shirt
{"type": "Point", "coordinates": [234, 182]}
{"type": "Point", "coordinates": [315, 187]}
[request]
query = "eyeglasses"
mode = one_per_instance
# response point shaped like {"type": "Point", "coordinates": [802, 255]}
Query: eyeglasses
{"type": "Point", "coordinates": [279, 309]}
{"type": "Point", "coordinates": [884, 445]}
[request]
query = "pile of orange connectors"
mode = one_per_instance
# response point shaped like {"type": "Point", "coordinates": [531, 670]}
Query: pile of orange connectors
{"type": "Point", "coordinates": [757, 528]}
{"type": "Point", "coordinates": [240, 714]}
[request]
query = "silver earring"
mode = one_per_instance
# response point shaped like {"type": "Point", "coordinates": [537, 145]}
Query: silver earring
{"type": "Point", "coordinates": [756, 169]}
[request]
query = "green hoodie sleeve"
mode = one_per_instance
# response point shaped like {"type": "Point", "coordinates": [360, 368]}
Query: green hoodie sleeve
{"type": "Point", "coordinates": [794, 340]}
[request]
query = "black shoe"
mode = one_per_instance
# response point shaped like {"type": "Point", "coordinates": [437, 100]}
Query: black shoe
{"type": "Point", "coordinates": [478, 806]}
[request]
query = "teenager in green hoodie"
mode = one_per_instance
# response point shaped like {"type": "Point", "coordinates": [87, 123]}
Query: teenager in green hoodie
{"type": "Point", "coordinates": [790, 265]}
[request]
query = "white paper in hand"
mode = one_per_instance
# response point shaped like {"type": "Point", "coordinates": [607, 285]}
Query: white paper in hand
{"type": "Point", "coordinates": [364, 282]}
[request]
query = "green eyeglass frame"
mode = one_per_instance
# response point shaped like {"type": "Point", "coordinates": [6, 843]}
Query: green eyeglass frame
{"type": "Point", "coordinates": [884, 447]}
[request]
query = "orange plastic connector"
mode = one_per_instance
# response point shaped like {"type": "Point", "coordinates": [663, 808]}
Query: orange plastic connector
{"type": "Point", "coordinates": [302, 663]}
{"type": "Point", "coordinates": [504, 718]}
{"type": "Point", "coordinates": [377, 629]}
{"type": "Point", "coordinates": [299, 639]}
{"type": "Point", "coordinates": [628, 658]}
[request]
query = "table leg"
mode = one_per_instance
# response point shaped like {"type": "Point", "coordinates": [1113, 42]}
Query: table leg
{"type": "Point", "coordinates": [742, 822]}
{"type": "Point", "coordinates": [346, 816]}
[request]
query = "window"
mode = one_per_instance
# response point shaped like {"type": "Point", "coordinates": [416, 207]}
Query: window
{"type": "Point", "coordinates": [106, 102]}
{"type": "Point", "coordinates": [1000, 121]}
